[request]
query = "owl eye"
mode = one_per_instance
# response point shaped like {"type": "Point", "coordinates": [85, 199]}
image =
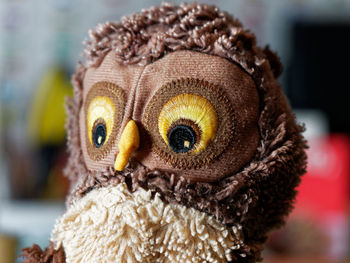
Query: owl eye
{"type": "Point", "coordinates": [190, 122]}
{"type": "Point", "coordinates": [187, 123]}
{"type": "Point", "coordinates": [103, 107]}
{"type": "Point", "coordinates": [100, 117]}
{"type": "Point", "coordinates": [182, 138]}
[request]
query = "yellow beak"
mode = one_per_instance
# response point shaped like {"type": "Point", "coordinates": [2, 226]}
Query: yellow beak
{"type": "Point", "coordinates": [128, 143]}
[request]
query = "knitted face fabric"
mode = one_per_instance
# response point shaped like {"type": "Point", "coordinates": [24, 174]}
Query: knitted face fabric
{"type": "Point", "coordinates": [183, 147]}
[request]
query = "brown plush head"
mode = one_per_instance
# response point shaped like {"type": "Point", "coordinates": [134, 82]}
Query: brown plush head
{"type": "Point", "coordinates": [178, 102]}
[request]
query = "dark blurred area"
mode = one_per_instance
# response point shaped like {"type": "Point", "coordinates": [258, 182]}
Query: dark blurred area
{"type": "Point", "coordinates": [40, 44]}
{"type": "Point", "coordinates": [318, 73]}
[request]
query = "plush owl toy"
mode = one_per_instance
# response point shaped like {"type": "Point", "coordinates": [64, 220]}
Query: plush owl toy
{"type": "Point", "coordinates": [182, 146]}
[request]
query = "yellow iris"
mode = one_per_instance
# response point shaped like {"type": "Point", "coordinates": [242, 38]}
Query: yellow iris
{"type": "Point", "coordinates": [189, 107]}
{"type": "Point", "coordinates": [100, 108]}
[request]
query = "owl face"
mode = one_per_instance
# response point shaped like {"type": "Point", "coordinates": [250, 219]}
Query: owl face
{"type": "Point", "coordinates": [196, 115]}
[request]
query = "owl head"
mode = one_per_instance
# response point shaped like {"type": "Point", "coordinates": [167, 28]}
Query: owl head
{"type": "Point", "coordinates": [177, 103]}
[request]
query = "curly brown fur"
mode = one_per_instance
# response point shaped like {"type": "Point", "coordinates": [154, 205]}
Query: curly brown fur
{"type": "Point", "coordinates": [261, 194]}
{"type": "Point", "coordinates": [35, 254]}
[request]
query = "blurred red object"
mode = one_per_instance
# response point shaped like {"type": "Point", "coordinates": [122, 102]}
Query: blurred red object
{"type": "Point", "coordinates": [319, 226]}
{"type": "Point", "coordinates": [325, 189]}
{"type": "Point", "coordinates": [324, 193]}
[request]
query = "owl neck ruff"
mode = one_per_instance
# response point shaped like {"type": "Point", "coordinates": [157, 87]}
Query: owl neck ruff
{"type": "Point", "coordinates": [215, 154]}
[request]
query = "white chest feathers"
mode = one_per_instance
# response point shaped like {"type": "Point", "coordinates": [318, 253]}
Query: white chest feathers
{"type": "Point", "coordinates": [112, 224]}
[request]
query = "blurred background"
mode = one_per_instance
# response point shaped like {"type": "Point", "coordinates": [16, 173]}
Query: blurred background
{"type": "Point", "coordinates": [40, 44]}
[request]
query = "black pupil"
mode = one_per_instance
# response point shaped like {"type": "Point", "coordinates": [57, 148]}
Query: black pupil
{"type": "Point", "coordinates": [182, 138]}
{"type": "Point", "coordinates": [99, 135]}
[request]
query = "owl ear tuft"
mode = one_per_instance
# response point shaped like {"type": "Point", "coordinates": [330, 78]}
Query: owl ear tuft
{"type": "Point", "coordinates": [274, 60]}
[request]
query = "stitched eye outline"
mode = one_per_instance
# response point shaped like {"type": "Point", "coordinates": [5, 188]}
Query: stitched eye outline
{"type": "Point", "coordinates": [225, 115]}
{"type": "Point", "coordinates": [112, 99]}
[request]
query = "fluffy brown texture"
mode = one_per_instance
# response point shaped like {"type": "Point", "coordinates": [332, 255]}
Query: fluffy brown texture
{"type": "Point", "coordinates": [260, 195]}
{"type": "Point", "coordinates": [35, 254]}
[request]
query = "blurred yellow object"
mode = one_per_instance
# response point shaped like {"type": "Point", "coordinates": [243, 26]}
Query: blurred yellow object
{"type": "Point", "coordinates": [47, 113]}
{"type": "Point", "coordinates": [8, 247]}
